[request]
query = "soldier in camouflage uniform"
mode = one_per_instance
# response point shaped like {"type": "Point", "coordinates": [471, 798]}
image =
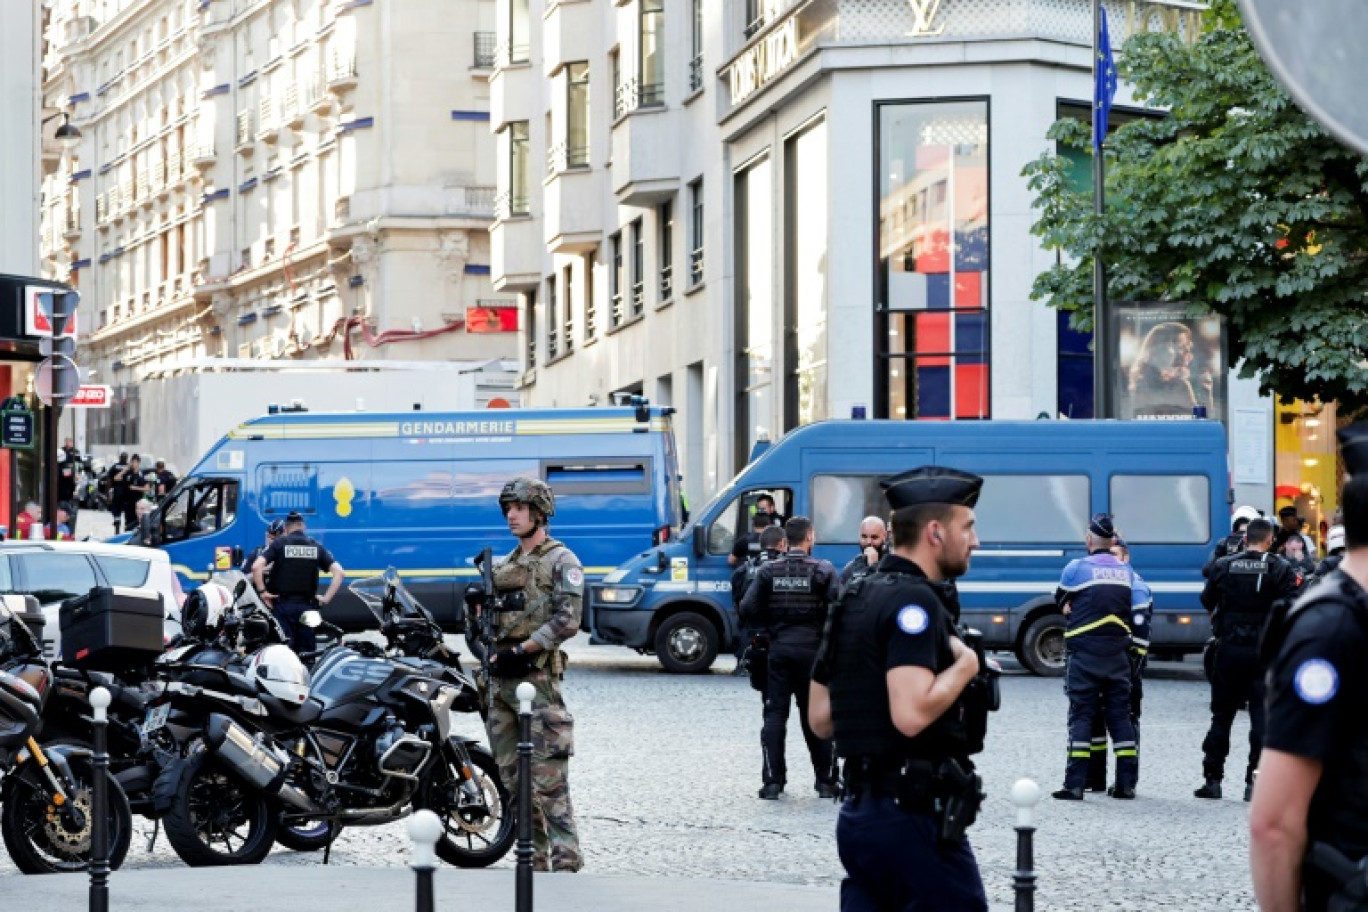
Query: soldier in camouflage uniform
{"type": "Point", "coordinates": [528, 641]}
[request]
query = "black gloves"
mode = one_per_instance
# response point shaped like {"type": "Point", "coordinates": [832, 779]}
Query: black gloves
{"type": "Point", "coordinates": [511, 663]}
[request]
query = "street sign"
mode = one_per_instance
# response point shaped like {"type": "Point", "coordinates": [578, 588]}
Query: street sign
{"type": "Point", "coordinates": [92, 395]}
{"type": "Point", "coordinates": [1316, 51]}
{"type": "Point", "coordinates": [67, 378]}
{"type": "Point", "coordinates": [16, 429]}
{"type": "Point", "coordinates": [38, 312]}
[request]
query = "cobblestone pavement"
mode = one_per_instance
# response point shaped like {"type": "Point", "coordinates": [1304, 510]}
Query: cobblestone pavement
{"type": "Point", "coordinates": [667, 767]}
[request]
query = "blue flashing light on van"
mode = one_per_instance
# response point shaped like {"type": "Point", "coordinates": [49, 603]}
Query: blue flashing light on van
{"type": "Point", "coordinates": [1166, 482]}
{"type": "Point", "coordinates": [419, 491]}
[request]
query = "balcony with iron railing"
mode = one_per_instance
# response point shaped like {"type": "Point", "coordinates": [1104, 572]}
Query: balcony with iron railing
{"type": "Point", "coordinates": [695, 266]}
{"type": "Point", "coordinates": [291, 112]}
{"type": "Point", "coordinates": [696, 73]}
{"type": "Point", "coordinates": [143, 185]}
{"type": "Point", "coordinates": [342, 75]}
{"type": "Point", "coordinates": [245, 136]}
{"type": "Point", "coordinates": [202, 156]}
{"type": "Point", "coordinates": [634, 94]}
{"type": "Point", "coordinates": [486, 50]}
{"type": "Point", "coordinates": [509, 205]}
{"type": "Point", "coordinates": [666, 282]}
{"type": "Point", "coordinates": [563, 157]}
{"type": "Point", "coordinates": [638, 297]}
{"type": "Point", "coordinates": [615, 312]}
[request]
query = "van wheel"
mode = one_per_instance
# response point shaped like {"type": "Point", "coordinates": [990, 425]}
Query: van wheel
{"type": "Point", "coordinates": [686, 643]}
{"type": "Point", "coordinates": [1042, 646]}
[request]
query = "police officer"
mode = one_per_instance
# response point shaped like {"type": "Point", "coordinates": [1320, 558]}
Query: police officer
{"type": "Point", "coordinates": [1142, 615]}
{"type": "Point", "coordinates": [753, 658]}
{"type": "Point", "coordinates": [893, 685]}
{"type": "Point", "coordinates": [1097, 595]}
{"type": "Point", "coordinates": [296, 560]}
{"type": "Point", "coordinates": [1233, 543]}
{"type": "Point", "coordinates": [1240, 594]}
{"type": "Point", "coordinates": [549, 581]}
{"type": "Point", "coordinates": [1334, 551]}
{"type": "Point", "coordinates": [747, 546]}
{"type": "Point", "coordinates": [273, 531]}
{"type": "Point", "coordinates": [790, 597]}
{"type": "Point", "coordinates": [873, 534]}
{"type": "Point", "coordinates": [1310, 804]}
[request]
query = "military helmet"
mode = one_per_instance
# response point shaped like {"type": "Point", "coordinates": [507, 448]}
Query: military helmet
{"type": "Point", "coordinates": [531, 491]}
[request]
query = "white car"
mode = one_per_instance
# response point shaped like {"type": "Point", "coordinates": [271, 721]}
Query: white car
{"type": "Point", "coordinates": [53, 571]}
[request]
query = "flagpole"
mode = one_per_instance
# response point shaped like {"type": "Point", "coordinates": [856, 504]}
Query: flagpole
{"type": "Point", "coordinates": [1102, 375]}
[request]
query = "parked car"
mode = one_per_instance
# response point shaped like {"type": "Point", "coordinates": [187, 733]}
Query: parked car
{"type": "Point", "coordinates": [53, 571]}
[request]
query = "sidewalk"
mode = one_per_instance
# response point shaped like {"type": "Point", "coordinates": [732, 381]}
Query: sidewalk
{"type": "Point", "coordinates": [346, 889]}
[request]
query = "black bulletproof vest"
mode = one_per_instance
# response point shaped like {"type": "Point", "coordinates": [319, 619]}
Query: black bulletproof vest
{"type": "Point", "coordinates": [861, 719]}
{"type": "Point", "coordinates": [296, 572]}
{"type": "Point", "coordinates": [796, 598]}
{"type": "Point", "coordinates": [1248, 592]}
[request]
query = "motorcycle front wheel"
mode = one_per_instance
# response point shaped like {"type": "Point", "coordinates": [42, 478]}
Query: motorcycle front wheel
{"type": "Point", "coordinates": [218, 819]}
{"type": "Point", "coordinates": [41, 843]}
{"type": "Point", "coordinates": [478, 831]}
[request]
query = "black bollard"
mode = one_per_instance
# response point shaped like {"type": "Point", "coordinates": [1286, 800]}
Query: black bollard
{"type": "Point", "coordinates": [99, 804]}
{"type": "Point", "coordinates": [1025, 795]}
{"type": "Point", "coordinates": [425, 828]}
{"type": "Point", "coordinates": [526, 693]}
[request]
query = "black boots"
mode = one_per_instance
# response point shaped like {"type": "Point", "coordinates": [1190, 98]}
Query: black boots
{"type": "Point", "coordinates": [1069, 794]}
{"type": "Point", "coordinates": [1123, 792]}
{"type": "Point", "coordinates": [1211, 790]}
{"type": "Point", "coordinates": [771, 791]}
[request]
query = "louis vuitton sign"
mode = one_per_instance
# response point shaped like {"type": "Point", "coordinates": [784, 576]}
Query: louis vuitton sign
{"type": "Point", "coordinates": [762, 61]}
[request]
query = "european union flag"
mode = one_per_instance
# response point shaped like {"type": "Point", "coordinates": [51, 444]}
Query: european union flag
{"type": "Point", "coordinates": [1104, 85]}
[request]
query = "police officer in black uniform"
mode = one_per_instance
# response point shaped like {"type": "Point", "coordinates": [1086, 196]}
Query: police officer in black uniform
{"type": "Point", "coordinates": [1240, 594]}
{"type": "Point", "coordinates": [790, 597]}
{"type": "Point", "coordinates": [1233, 543]}
{"type": "Point", "coordinates": [296, 560]}
{"type": "Point", "coordinates": [1309, 819]}
{"type": "Point", "coordinates": [273, 531]}
{"type": "Point", "coordinates": [895, 685]}
{"type": "Point", "coordinates": [747, 546]}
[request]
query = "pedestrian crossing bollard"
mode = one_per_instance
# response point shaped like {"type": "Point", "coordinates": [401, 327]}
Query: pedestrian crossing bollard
{"type": "Point", "coordinates": [424, 828]}
{"type": "Point", "coordinates": [526, 693]}
{"type": "Point", "coordinates": [99, 803]}
{"type": "Point", "coordinates": [1025, 795]}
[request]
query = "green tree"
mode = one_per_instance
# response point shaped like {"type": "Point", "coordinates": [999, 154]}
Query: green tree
{"type": "Point", "coordinates": [1236, 202]}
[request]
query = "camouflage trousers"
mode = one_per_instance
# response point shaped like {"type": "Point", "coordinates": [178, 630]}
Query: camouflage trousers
{"type": "Point", "coordinates": [554, 838]}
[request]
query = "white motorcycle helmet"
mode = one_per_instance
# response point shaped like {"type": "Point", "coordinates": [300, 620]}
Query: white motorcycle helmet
{"type": "Point", "coordinates": [280, 673]}
{"type": "Point", "coordinates": [1246, 513]}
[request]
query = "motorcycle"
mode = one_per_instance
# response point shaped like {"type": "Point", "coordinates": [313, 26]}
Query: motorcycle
{"type": "Point", "coordinates": [46, 796]}
{"type": "Point", "coordinates": [363, 741]}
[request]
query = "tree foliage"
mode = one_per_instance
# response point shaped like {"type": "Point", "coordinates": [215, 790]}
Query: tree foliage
{"type": "Point", "coordinates": [1236, 202]}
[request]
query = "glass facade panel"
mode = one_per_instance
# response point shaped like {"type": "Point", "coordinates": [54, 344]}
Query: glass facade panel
{"type": "Point", "coordinates": [577, 115]}
{"type": "Point", "coordinates": [756, 306]}
{"type": "Point", "coordinates": [805, 234]}
{"type": "Point", "coordinates": [652, 53]}
{"type": "Point", "coordinates": [933, 260]}
{"type": "Point", "coordinates": [518, 167]}
{"type": "Point", "coordinates": [519, 30]}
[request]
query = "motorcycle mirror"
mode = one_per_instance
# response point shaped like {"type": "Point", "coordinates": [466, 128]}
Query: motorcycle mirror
{"type": "Point", "coordinates": [311, 618]}
{"type": "Point", "coordinates": [240, 588]}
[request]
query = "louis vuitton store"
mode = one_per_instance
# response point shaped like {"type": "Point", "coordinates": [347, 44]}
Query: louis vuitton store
{"type": "Point", "coordinates": [877, 219]}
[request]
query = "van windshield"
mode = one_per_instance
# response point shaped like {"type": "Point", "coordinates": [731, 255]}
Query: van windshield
{"type": "Point", "coordinates": [697, 516]}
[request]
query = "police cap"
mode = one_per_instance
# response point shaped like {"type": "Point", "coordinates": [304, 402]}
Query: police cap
{"type": "Point", "coordinates": [1102, 525]}
{"type": "Point", "coordinates": [931, 485]}
{"type": "Point", "coordinates": [1353, 441]}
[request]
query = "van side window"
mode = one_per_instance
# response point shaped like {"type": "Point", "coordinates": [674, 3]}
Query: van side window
{"type": "Point", "coordinates": [840, 502]}
{"type": "Point", "coordinates": [200, 509]}
{"type": "Point", "coordinates": [1033, 509]}
{"type": "Point", "coordinates": [735, 518]}
{"type": "Point", "coordinates": [601, 475]}
{"type": "Point", "coordinates": [1162, 509]}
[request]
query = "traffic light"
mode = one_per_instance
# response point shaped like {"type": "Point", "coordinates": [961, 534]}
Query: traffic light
{"type": "Point", "coordinates": [63, 377]}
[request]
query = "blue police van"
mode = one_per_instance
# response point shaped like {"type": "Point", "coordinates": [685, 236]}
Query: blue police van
{"type": "Point", "coordinates": [1166, 482]}
{"type": "Point", "coordinates": [419, 491]}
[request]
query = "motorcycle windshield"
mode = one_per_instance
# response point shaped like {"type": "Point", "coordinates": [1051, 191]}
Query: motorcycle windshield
{"type": "Point", "coordinates": [386, 593]}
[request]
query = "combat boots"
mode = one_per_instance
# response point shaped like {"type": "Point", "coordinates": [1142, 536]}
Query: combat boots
{"type": "Point", "coordinates": [1212, 790]}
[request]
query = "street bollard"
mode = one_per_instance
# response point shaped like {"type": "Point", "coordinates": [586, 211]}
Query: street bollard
{"type": "Point", "coordinates": [99, 804]}
{"type": "Point", "coordinates": [1025, 795]}
{"type": "Point", "coordinates": [526, 692]}
{"type": "Point", "coordinates": [424, 828]}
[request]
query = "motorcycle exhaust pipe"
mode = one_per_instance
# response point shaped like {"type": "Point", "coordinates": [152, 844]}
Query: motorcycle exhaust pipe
{"type": "Point", "coordinates": [254, 761]}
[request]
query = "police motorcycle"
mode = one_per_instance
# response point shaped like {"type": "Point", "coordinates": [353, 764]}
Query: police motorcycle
{"type": "Point", "coordinates": [363, 741]}
{"type": "Point", "coordinates": [47, 788]}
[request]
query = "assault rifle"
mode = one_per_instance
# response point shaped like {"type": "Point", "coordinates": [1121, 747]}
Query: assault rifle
{"type": "Point", "coordinates": [480, 608]}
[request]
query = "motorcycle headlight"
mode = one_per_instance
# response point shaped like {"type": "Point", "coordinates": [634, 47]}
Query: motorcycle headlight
{"type": "Point", "coordinates": [618, 595]}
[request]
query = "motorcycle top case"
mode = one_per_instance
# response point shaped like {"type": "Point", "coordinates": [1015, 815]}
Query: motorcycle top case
{"type": "Point", "coordinates": [111, 628]}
